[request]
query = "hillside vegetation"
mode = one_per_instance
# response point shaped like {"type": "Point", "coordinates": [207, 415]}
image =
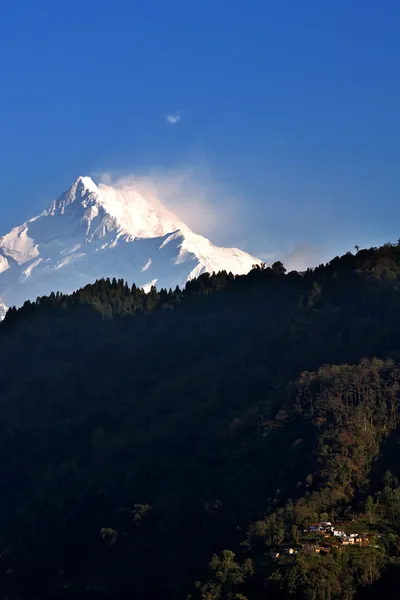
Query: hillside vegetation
{"type": "Point", "coordinates": [180, 444]}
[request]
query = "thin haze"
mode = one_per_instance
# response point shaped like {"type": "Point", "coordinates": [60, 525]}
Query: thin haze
{"type": "Point", "coordinates": [285, 114]}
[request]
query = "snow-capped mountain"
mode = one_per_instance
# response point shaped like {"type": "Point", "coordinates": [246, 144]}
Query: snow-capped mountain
{"type": "Point", "coordinates": [95, 231]}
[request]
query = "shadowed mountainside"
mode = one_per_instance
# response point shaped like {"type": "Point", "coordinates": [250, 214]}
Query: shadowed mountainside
{"type": "Point", "coordinates": [141, 434]}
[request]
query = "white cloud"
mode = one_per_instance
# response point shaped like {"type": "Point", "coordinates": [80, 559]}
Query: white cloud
{"type": "Point", "coordinates": [173, 119]}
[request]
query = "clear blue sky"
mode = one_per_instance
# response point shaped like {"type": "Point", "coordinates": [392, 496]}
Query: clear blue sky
{"type": "Point", "coordinates": [292, 106]}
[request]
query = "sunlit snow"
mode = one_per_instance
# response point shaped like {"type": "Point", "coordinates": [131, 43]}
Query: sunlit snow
{"type": "Point", "coordinates": [99, 231]}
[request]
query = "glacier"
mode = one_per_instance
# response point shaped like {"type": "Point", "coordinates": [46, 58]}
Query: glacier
{"type": "Point", "coordinates": [94, 231]}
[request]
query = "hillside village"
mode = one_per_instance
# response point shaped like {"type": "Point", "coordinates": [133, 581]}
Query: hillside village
{"type": "Point", "coordinates": [323, 536]}
{"type": "Point", "coordinates": [338, 535]}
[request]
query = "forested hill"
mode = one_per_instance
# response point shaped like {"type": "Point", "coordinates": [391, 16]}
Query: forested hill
{"type": "Point", "coordinates": [181, 443]}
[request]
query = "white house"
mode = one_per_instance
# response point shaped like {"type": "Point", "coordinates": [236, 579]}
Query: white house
{"type": "Point", "coordinates": [339, 533]}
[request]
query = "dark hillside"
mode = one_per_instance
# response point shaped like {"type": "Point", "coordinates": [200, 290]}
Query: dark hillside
{"type": "Point", "coordinates": [142, 434]}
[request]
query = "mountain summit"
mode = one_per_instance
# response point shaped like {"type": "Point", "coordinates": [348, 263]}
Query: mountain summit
{"type": "Point", "coordinates": [95, 231]}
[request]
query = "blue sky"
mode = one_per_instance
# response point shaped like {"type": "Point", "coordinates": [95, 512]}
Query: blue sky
{"type": "Point", "coordinates": [289, 111]}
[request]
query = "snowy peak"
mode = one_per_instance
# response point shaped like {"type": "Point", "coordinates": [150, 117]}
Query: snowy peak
{"type": "Point", "coordinates": [82, 205]}
{"type": "Point", "coordinates": [93, 231]}
{"type": "Point", "coordinates": [123, 209]}
{"type": "Point", "coordinates": [83, 189]}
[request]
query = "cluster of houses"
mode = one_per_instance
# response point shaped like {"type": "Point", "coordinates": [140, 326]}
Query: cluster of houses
{"type": "Point", "coordinates": [326, 530]}
{"type": "Point", "coordinates": [345, 540]}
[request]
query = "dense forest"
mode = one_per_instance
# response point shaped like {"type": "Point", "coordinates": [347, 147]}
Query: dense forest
{"type": "Point", "coordinates": [234, 440]}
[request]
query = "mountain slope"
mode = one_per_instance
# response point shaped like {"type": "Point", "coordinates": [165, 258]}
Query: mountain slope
{"type": "Point", "coordinates": [97, 231]}
{"type": "Point", "coordinates": [221, 419]}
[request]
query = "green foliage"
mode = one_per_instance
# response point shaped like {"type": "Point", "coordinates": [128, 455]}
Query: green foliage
{"type": "Point", "coordinates": [228, 574]}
